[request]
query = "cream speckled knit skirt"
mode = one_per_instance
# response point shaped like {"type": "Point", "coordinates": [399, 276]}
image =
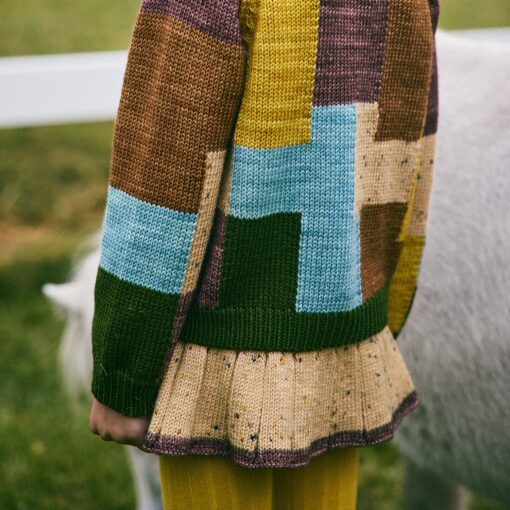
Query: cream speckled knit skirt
{"type": "Point", "coordinates": [273, 409]}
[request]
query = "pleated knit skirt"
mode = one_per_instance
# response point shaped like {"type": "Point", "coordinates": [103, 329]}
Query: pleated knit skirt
{"type": "Point", "coordinates": [277, 409]}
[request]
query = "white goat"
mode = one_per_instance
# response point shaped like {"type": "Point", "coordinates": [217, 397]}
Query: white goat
{"type": "Point", "coordinates": [457, 338]}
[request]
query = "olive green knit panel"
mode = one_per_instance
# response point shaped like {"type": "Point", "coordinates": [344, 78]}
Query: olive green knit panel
{"type": "Point", "coordinates": [260, 261]}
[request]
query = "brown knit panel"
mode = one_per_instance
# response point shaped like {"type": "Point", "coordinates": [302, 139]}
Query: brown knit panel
{"type": "Point", "coordinates": [379, 228]}
{"type": "Point", "coordinates": [164, 126]}
{"type": "Point", "coordinates": [406, 72]}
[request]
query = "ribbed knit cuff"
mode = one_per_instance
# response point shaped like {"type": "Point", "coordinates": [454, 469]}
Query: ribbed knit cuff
{"type": "Point", "coordinates": [119, 392]}
{"type": "Point", "coordinates": [131, 333]}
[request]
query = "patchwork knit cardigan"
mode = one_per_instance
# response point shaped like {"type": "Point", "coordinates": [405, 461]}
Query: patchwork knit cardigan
{"type": "Point", "coordinates": [267, 208]}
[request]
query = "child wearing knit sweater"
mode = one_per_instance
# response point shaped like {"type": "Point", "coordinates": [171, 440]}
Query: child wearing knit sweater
{"type": "Point", "coordinates": [265, 221]}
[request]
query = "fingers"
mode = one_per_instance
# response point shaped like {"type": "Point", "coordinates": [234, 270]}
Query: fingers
{"type": "Point", "coordinates": [122, 434]}
{"type": "Point", "coordinates": [137, 442]}
{"type": "Point", "coordinates": [113, 426]}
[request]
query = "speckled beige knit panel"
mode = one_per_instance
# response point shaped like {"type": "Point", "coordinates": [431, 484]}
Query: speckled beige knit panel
{"type": "Point", "coordinates": [276, 428]}
{"type": "Point", "coordinates": [225, 185]}
{"type": "Point", "coordinates": [418, 221]}
{"type": "Point", "coordinates": [181, 415]}
{"type": "Point", "coordinates": [384, 169]}
{"type": "Point", "coordinates": [402, 384]}
{"type": "Point", "coordinates": [284, 401]}
{"type": "Point", "coordinates": [213, 169]}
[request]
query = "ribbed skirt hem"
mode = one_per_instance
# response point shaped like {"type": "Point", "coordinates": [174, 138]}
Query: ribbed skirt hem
{"type": "Point", "coordinates": [167, 445]}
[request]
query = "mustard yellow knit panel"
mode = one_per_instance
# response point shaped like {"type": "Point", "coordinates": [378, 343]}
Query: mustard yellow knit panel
{"type": "Point", "coordinates": [403, 281]}
{"type": "Point", "coordinates": [277, 101]}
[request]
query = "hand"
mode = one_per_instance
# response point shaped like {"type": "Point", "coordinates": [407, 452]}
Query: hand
{"type": "Point", "coordinates": [113, 426]}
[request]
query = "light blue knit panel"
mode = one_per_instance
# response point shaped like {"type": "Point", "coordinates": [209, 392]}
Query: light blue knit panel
{"type": "Point", "coordinates": [318, 180]}
{"type": "Point", "coordinates": [146, 244]}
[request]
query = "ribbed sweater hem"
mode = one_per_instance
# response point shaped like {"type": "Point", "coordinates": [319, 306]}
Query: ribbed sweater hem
{"type": "Point", "coordinates": [272, 329]}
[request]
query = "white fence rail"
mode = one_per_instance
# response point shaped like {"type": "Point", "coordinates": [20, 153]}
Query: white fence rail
{"type": "Point", "coordinates": [85, 87]}
{"type": "Point", "coordinates": [56, 89]}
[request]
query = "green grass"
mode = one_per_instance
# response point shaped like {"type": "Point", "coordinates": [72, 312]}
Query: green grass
{"type": "Point", "coordinates": [52, 192]}
{"type": "Point", "coordinates": [49, 458]}
{"type": "Point", "coordinates": [456, 14]}
{"type": "Point", "coordinates": [58, 26]}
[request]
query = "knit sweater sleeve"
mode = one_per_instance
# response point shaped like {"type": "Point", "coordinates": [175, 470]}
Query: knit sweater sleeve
{"type": "Point", "coordinates": [412, 237]}
{"type": "Point", "coordinates": [179, 101]}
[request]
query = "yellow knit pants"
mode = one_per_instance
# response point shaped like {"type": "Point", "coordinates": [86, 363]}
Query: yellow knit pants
{"type": "Point", "coordinates": [210, 482]}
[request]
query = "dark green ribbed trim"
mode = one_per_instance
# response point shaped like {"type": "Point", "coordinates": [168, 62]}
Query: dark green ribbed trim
{"type": "Point", "coordinates": [124, 395]}
{"type": "Point", "coordinates": [272, 329]}
{"type": "Point", "coordinates": [131, 333]}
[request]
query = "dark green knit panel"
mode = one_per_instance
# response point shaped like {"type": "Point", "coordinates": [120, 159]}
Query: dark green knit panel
{"type": "Point", "coordinates": [276, 329]}
{"type": "Point", "coordinates": [131, 333]}
{"type": "Point", "coordinates": [260, 261]}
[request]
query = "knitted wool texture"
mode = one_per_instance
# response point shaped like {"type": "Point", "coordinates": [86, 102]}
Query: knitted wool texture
{"type": "Point", "coordinates": [269, 184]}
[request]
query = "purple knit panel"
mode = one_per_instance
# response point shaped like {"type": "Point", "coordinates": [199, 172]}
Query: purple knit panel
{"type": "Point", "coordinates": [433, 105]}
{"type": "Point", "coordinates": [209, 285]}
{"type": "Point", "coordinates": [352, 36]}
{"type": "Point", "coordinates": [183, 305]}
{"type": "Point", "coordinates": [218, 18]}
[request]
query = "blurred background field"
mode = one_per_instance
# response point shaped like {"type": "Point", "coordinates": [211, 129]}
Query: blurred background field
{"type": "Point", "coordinates": [52, 194]}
